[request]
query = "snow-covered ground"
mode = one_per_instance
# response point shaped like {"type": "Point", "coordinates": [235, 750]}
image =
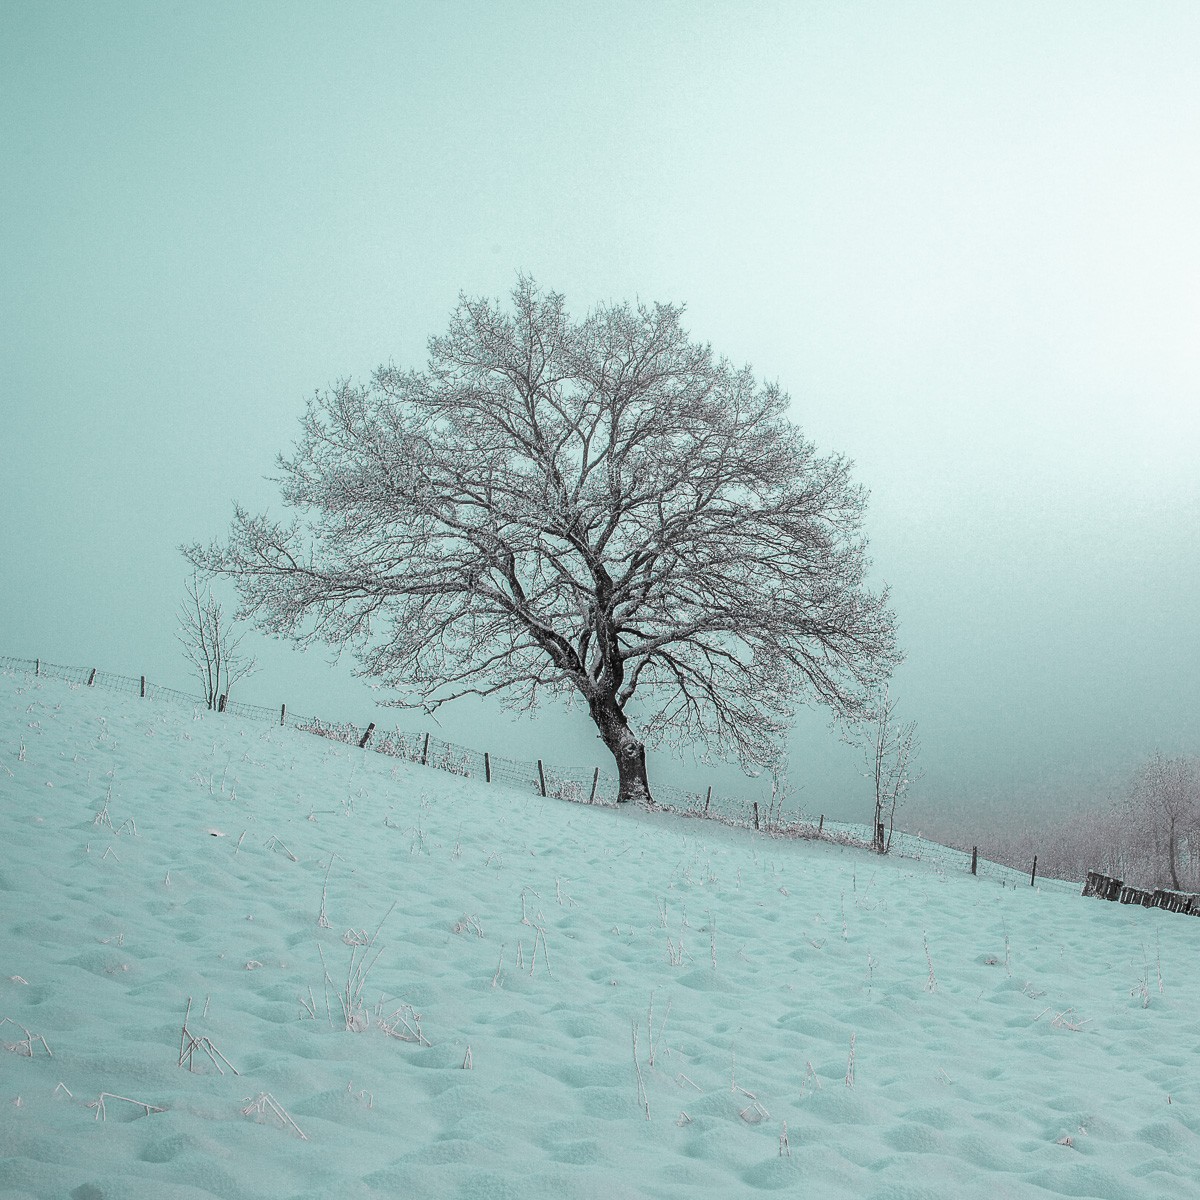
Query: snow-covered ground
{"type": "Point", "coordinates": [807, 1018]}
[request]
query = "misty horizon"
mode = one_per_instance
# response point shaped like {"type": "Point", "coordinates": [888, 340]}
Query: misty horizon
{"type": "Point", "coordinates": [962, 242]}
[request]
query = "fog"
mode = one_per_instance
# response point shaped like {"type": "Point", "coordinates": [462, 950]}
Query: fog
{"type": "Point", "coordinates": [962, 238]}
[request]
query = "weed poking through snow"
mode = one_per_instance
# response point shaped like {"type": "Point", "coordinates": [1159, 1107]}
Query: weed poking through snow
{"type": "Point", "coordinates": [265, 1103]}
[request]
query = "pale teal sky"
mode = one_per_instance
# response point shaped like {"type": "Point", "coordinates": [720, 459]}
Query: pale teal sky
{"type": "Point", "coordinates": [962, 236]}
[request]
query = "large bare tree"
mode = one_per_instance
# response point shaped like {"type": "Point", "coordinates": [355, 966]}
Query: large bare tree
{"type": "Point", "coordinates": [600, 508]}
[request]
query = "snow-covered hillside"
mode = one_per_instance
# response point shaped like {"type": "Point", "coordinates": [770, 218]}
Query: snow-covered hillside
{"type": "Point", "coordinates": [544, 1000]}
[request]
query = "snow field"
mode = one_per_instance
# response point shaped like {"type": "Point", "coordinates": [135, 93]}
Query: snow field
{"type": "Point", "coordinates": [433, 988]}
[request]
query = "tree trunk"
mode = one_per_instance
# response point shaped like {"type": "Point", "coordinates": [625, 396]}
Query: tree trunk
{"type": "Point", "coordinates": [626, 749]}
{"type": "Point", "coordinates": [1172, 855]}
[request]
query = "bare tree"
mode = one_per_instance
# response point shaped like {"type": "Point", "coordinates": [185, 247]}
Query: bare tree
{"type": "Point", "coordinates": [1164, 814]}
{"type": "Point", "coordinates": [210, 644]}
{"type": "Point", "coordinates": [597, 508]}
{"type": "Point", "coordinates": [891, 750]}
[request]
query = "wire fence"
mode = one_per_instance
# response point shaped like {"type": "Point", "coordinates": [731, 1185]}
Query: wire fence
{"type": "Point", "coordinates": [577, 784]}
{"type": "Point", "coordinates": [582, 785]}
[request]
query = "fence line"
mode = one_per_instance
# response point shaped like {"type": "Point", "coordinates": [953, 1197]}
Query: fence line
{"type": "Point", "coordinates": [584, 785]}
{"type": "Point", "coordinates": [588, 785]}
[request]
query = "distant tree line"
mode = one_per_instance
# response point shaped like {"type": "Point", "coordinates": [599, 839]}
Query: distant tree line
{"type": "Point", "coordinates": [1149, 836]}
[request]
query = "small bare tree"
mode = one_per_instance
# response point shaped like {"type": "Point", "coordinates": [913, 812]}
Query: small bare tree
{"type": "Point", "coordinates": [891, 750]}
{"type": "Point", "coordinates": [210, 644]}
{"type": "Point", "coordinates": [598, 509]}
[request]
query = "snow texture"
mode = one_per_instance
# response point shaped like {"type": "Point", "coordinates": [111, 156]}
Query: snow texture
{"type": "Point", "coordinates": [432, 988]}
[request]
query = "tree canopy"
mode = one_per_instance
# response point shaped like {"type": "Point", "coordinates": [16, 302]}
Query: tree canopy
{"type": "Point", "coordinates": [599, 507]}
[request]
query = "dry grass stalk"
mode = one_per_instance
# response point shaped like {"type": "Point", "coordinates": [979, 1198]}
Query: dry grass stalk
{"type": "Point", "coordinates": [650, 1025]}
{"type": "Point", "coordinates": [539, 935]}
{"type": "Point", "coordinates": [102, 819]}
{"type": "Point", "coordinates": [1068, 1020]}
{"type": "Point", "coordinates": [189, 1044]}
{"type": "Point", "coordinates": [404, 1024]}
{"type": "Point", "coordinates": [675, 951]}
{"type": "Point", "coordinates": [351, 996]}
{"type": "Point", "coordinates": [643, 1099]}
{"type": "Point", "coordinates": [524, 915]}
{"type": "Point", "coordinates": [25, 1045]}
{"type": "Point", "coordinates": [101, 1115]}
{"type": "Point", "coordinates": [265, 1103]}
{"type": "Point", "coordinates": [322, 919]}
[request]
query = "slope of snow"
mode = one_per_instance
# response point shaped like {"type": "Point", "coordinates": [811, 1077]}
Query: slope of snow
{"type": "Point", "coordinates": [808, 1018]}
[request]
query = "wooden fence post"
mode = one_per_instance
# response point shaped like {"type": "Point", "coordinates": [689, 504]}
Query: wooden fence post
{"type": "Point", "coordinates": [283, 714]}
{"type": "Point", "coordinates": [756, 814]}
{"type": "Point", "coordinates": [425, 752]}
{"type": "Point", "coordinates": [974, 860]}
{"type": "Point", "coordinates": [595, 780]}
{"type": "Point", "coordinates": [487, 767]}
{"type": "Point", "coordinates": [144, 693]}
{"type": "Point", "coordinates": [92, 677]}
{"type": "Point", "coordinates": [220, 703]}
{"type": "Point", "coordinates": [708, 800]}
{"type": "Point", "coordinates": [542, 776]}
{"type": "Point", "coordinates": [1033, 873]}
{"type": "Point", "coordinates": [366, 737]}
{"type": "Point", "coordinates": [821, 826]}
{"type": "Point", "coordinates": [37, 666]}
